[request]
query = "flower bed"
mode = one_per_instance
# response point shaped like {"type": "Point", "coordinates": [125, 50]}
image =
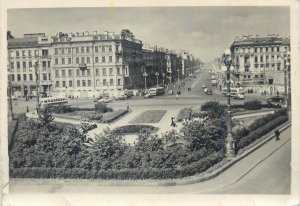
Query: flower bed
{"type": "Point", "coordinates": [184, 113]}
{"type": "Point", "coordinates": [112, 116]}
{"type": "Point", "coordinates": [149, 116]}
{"type": "Point", "coordinates": [133, 129]}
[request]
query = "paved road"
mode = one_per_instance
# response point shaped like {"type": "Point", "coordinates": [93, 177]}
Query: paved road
{"type": "Point", "coordinates": [188, 99]}
{"type": "Point", "coordinates": [271, 176]}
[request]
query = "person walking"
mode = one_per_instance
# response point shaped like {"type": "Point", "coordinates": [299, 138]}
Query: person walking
{"type": "Point", "coordinates": [277, 134]}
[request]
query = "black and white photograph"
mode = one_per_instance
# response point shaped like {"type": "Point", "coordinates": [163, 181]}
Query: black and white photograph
{"type": "Point", "coordinates": [150, 100]}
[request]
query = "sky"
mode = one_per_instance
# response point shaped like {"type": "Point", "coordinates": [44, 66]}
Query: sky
{"type": "Point", "coordinates": [203, 31]}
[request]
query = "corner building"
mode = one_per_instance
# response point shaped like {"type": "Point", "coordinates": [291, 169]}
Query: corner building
{"type": "Point", "coordinates": [258, 62]}
{"type": "Point", "coordinates": [90, 65]}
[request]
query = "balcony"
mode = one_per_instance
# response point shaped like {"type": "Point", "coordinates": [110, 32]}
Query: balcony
{"type": "Point", "coordinates": [247, 64]}
{"type": "Point", "coordinates": [82, 66]}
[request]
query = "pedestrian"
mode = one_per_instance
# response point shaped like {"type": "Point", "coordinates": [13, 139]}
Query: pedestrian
{"type": "Point", "coordinates": [127, 106]}
{"type": "Point", "coordinates": [172, 122]}
{"type": "Point", "coordinates": [277, 134]}
{"type": "Point", "coordinates": [277, 92]}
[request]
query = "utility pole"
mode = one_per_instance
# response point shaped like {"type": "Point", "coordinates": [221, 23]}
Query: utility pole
{"type": "Point", "coordinates": [36, 67]}
{"type": "Point", "coordinates": [10, 107]}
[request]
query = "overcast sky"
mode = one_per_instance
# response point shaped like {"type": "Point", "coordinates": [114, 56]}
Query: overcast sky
{"type": "Point", "coordinates": [204, 31]}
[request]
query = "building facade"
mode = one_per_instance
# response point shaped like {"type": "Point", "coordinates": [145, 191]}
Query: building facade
{"type": "Point", "coordinates": [29, 59]}
{"type": "Point", "coordinates": [259, 63]}
{"type": "Point", "coordinates": [87, 64]}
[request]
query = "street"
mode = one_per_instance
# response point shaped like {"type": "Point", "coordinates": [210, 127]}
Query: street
{"type": "Point", "coordinates": [193, 98]}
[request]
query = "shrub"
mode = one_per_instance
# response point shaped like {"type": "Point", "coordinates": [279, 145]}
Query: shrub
{"type": "Point", "coordinates": [244, 141]}
{"type": "Point", "coordinates": [102, 108]}
{"type": "Point", "coordinates": [120, 174]}
{"type": "Point", "coordinates": [253, 105]}
{"type": "Point", "coordinates": [112, 116]}
{"type": "Point", "coordinates": [95, 116]}
{"type": "Point", "coordinates": [213, 108]}
{"type": "Point", "coordinates": [61, 109]}
{"type": "Point", "coordinates": [131, 129]}
{"type": "Point", "coordinates": [185, 113]}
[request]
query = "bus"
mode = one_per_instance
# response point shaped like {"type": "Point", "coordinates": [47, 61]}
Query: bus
{"type": "Point", "coordinates": [157, 91]}
{"type": "Point", "coordinates": [51, 101]}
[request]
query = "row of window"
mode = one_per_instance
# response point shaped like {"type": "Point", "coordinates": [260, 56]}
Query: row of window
{"type": "Point", "coordinates": [262, 68]}
{"type": "Point", "coordinates": [84, 60]}
{"type": "Point", "coordinates": [86, 72]}
{"type": "Point", "coordinates": [28, 77]}
{"type": "Point", "coordinates": [260, 49]}
{"type": "Point", "coordinates": [29, 64]}
{"type": "Point", "coordinates": [88, 83]}
{"type": "Point", "coordinates": [84, 49]}
{"type": "Point", "coordinates": [30, 53]}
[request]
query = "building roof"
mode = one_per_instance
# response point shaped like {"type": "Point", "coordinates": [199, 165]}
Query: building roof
{"type": "Point", "coordinates": [26, 42]}
{"type": "Point", "coordinates": [261, 41]}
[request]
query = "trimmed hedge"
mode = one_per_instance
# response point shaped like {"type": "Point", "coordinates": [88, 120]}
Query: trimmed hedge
{"type": "Point", "coordinates": [260, 131]}
{"type": "Point", "coordinates": [112, 116]}
{"type": "Point", "coordinates": [102, 108]}
{"type": "Point", "coordinates": [132, 129]}
{"type": "Point", "coordinates": [61, 109]}
{"type": "Point", "coordinates": [184, 114]}
{"type": "Point", "coordinates": [122, 174]}
{"type": "Point", "coordinates": [253, 105]}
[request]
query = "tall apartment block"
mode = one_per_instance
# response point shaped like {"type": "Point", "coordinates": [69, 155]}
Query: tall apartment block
{"type": "Point", "coordinates": [259, 63]}
{"type": "Point", "coordinates": [87, 64]}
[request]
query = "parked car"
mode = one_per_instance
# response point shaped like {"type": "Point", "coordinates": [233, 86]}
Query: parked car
{"type": "Point", "coordinates": [105, 100]}
{"type": "Point", "coordinates": [170, 92]}
{"type": "Point", "coordinates": [209, 92]}
{"type": "Point", "coordinates": [148, 95]}
{"type": "Point", "coordinates": [121, 97]}
{"type": "Point", "coordinates": [276, 101]}
{"type": "Point", "coordinates": [205, 90]}
{"type": "Point", "coordinates": [238, 96]}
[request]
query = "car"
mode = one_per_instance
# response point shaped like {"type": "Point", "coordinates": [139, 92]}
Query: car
{"type": "Point", "coordinates": [205, 90]}
{"type": "Point", "coordinates": [148, 95]}
{"type": "Point", "coordinates": [238, 96]}
{"type": "Point", "coordinates": [277, 101]}
{"type": "Point", "coordinates": [105, 100]}
{"type": "Point", "coordinates": [97, 99]}
{"type": "Point", "coordinates": [170, 92]}
{"type": "Point", "coordinates": [209, 92]}
{"type": "Point", "coordinates": [121, 97]}
{"type": "Point", "coordinates": [203, 86]}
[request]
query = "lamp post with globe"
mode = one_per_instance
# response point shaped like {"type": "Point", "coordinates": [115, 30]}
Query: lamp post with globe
{"type": "Point", "coordinates": [145, 76]}
{"type": "Point", "coordinates": [156, 74]}
{"type": "Point", "coordinates": [230, 141]}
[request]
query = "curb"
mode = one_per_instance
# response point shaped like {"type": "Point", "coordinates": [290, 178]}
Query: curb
{"type": "Point", "coordinates": [151, 182]}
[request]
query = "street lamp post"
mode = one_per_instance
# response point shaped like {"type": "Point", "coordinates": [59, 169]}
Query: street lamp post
{"type": "Point", "coordinates": [178, 74]}
{"type": "Point", "coordinates": [145, 76]}
{"type": "Point", "coordinates": [163, 74]}
{"type": "Point", "coordinates": [36, 67]}
{"type": "Point", "coordinates": [230, 141]}
{"type": "Point", "coordinates": [156, 74]}
{"type": "Point", "coordinates": [10, 105]}
{"type": "Point", "coordinates": [286, 68]}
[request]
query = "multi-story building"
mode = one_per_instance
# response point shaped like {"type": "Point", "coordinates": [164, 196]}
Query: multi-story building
{"type": "Point", "coordinates": [258, 62]}
{"type": "Point", "coordinates": [29, 58]}
{"type": "Point", "coordinates": [87, 64]}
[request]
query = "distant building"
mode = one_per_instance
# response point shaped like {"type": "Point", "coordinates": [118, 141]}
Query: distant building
{"type": "Point", "coordinates": [23, 54]}
{"type": "Point", "coordinates": [258, 62]}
